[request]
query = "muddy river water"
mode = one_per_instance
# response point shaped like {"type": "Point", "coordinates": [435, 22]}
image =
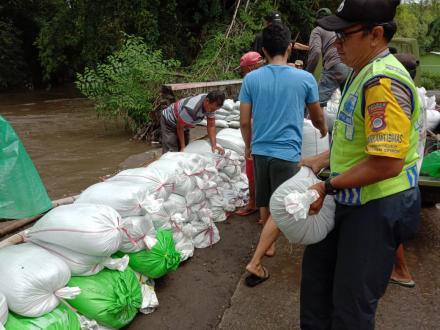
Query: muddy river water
{"type": "Point", "coordinates": [68, 144]}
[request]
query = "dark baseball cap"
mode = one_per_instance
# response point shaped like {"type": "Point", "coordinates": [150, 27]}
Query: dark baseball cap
{"type": "Point", "coordinates": [352, 12]}
{"type": "Point", "coordinates": [272, 17]}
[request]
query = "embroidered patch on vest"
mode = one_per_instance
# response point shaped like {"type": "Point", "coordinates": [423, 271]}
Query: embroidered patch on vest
{"type": "Point", "coordinates": [377, 115]}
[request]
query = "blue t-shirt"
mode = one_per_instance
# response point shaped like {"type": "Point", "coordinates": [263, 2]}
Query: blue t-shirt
{"type": "Point", "coordinates": [278, 94]}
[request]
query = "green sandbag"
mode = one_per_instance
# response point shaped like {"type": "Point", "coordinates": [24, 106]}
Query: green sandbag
{"type": "Point", "coordinates": [111, 298]}
{"type": "Point", "coordinates": [22, 193]}
{"type": "Point", "coordinates": [431, 164]}
{"type": "Point", "coordinates": [160, 260]}
{"type": "Point", "coordinates": [61, 318]}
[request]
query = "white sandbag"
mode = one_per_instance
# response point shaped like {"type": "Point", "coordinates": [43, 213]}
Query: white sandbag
{"type": "Point", "coordinates": [237, 105]}
{"type": "Point", "coordinates": [228, 104]}
{"type": "Point", "coordinates": [232, 117]}
{"type": "Point", "coordinates": [193, 165]}
{"type": "Point", "coordinates": [127, 198]}
{"type": "Point", "coordinates": [205, 232]}
{"type": "Point", "coordinates": [203, 148]}
{"type": "Point", "coordinates": [149, 297]}
{"type": "Point", "coordinates": [221, 123]}
{"type": "Point", "coordinates": [175, 206]}
{"type": "Point", "coordinates": [33, 280]}
{"type": "Point", "coordinates": [231, 138]}
{"type": "Point", "coordinates": [136, 229]}
{"type": "Point", "coordinates": [223, 112]}
{"type": "Point", "coordinates": [81, 264]}
{"type": "Point", "coordinates": [86, 228]}
{"type": "Point", "coordinates": [219, 116]}
{"type": "Point", "coordinates": [312, 143]}
{"type": "Point", "coordinates": [203, 122]}
{"type": "Point", "coordinates": [432, 119]}
{"type": "Point", "coordinates": [311, 229]}
{"type": "Point", "coordinates": [3, 309]}
{"type": "Point", "coordinates": [182, 236]}
{"type": "Point", "coordinates": [157, 181]}
{"type": "Point", "coordinates": [234, 124]}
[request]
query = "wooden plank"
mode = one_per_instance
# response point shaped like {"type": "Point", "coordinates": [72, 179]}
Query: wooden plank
{"type": "Point", "coordinates": [185, 86]}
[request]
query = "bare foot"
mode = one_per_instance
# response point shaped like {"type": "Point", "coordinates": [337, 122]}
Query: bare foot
{"type": "Point", "coordinates": [271, 251]}
{"type": "Point", "coordinates": [256, 269]}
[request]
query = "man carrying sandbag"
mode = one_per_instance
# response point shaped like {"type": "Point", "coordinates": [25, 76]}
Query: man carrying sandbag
{"type": "Point", "coordinates": [179, 117]}
{"type": "Point", "coordinates": [373, 174]}
{"type": "Point", "coordinates": [274, 96]}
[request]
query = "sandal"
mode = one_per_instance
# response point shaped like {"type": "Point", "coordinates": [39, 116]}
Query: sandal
{"type": "Point", "coordinates": [253, 280]}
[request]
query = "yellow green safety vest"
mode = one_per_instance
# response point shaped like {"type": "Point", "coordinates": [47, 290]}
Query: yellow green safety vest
{"type": "Point", "coordinates": [349, 140]}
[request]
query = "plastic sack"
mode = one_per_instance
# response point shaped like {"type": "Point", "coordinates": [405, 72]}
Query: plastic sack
{"type": "Point", "coordinates": [83, 264]}
{"type": "Point", "coordinates": [86, 228]}
{"type": "Point", "coordinates": [127, 198]}
{"type": "Point", "coordinates": [205, 232]}
{"type": "Point", "coordinates": [228, 104]}
{"type": "Point", "coordinates": [149, 297]}
{"type": "Point", "coordinates": [431, 164]}
{"type": "Point", "coordinates": [157, 181]}
{"type": "Point", "coordinates": [221, 123]}
{"type": "Point", "coordinates": [231, 138]}
{"type": "Point", "coordinates": [22, 193]}
{"type": "Point", "coordinates": [234, 124]}
{"type": "Point", "coordinates": [33, 280]}
{"type": "Point", "coordinates": [111, 298]}
{"type": "Point", "coordinates": [136, 230]}
{"type": "Point", "coordinates": [312, 143]}
{"type": "Point", "coordinates": [311, 229]}
{"type": "Point", "coordinates": [3, 309]}
{"type": "Point", "coordinates": [61, 318]}
{"type": "Point", "coordinates": [158, 261]}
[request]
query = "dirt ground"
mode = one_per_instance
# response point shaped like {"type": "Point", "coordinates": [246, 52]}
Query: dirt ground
{"type": "Point", "coordinates": [207, 291]}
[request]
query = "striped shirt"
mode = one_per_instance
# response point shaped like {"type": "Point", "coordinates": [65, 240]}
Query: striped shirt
{"type": "Point", "coordinates": [189, 111]}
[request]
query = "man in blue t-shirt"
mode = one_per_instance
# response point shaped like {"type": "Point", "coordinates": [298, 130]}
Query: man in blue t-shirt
{"type": "Point", "coordinates": [275, 95]}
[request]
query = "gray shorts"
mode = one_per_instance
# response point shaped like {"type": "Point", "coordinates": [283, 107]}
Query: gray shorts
{"type": "Point", "coordinates": [170, 141]}
{"type": "Point", "coordinates": [270, 173]}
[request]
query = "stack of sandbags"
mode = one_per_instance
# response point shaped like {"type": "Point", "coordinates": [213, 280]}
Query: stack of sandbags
{"type": "Point", "coordinates": [33, 280]}
{"type": "Point", "coordinates": [289, 207]}
{"type": "Point", "coordinates": [430, 113]}
{"type": "Point", "coordinates": [312, 143]}
{"type": "Point", "coordinates": [227, 116]}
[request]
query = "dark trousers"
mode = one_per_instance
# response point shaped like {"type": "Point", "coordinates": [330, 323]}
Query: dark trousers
{"type": "Point", "coordinates": [345, 275]}
{"type": "Point", "coordinates": [169, 141]}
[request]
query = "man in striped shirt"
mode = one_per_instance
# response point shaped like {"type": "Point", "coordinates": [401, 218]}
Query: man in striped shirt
{"type": "Point", "coordinates": [179, 117]}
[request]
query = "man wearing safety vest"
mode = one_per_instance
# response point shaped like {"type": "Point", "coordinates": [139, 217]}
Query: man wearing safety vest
{"type": "Point", "coordinates": [373, 174]}
{"type": "Point", "coordinates": [179, 117]}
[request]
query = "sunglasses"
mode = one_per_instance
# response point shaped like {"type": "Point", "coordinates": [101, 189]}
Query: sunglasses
{"type": "Point", "coordinates": [342, 36]}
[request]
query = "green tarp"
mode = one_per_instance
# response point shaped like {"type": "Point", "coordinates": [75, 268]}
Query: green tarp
{"type": "Point", "coordinates": [22, 193]}
{"type": "Point", "coordinates": [111, 298]}
{"type": "Point", "coordinates": [160, 260]}
{"type": "Point", "coordinates": [61, 318]}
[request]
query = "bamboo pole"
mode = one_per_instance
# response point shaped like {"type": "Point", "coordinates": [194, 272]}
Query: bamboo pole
{"type": "Point", "coordinates": [17, 224]}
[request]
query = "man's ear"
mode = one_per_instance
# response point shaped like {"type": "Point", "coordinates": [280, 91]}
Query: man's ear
{"type": "Point", "coordinates": [266, 55]}
{"type": "Point", "coordinates": [289, 48]}
{"type": "Point", "coordinates": [377, 35]}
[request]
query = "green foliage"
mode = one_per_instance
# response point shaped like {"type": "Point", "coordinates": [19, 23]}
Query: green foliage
{"type": "Point", "coordinates": [12, 65]}
{"type": "Point", "coordinates": [128, 83]}
{"type": "Point", "coordinates": [430, 80]}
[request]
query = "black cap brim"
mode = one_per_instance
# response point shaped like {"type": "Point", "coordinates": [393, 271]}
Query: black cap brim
{"type": "Point", "coordinates": [334, 23]}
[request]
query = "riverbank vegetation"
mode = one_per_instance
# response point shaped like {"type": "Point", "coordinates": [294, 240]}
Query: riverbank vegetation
{"type": "Point", "coordinates": [120, 52]}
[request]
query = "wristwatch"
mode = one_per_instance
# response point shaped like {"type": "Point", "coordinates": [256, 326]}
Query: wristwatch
{"type": "Point", "coordinates": [329, 189]}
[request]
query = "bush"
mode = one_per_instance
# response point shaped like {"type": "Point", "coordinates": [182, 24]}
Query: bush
{"type": "Point", "coordinates": [128, 84]}
{"type": "Point", "coordinates": [431, 80]}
